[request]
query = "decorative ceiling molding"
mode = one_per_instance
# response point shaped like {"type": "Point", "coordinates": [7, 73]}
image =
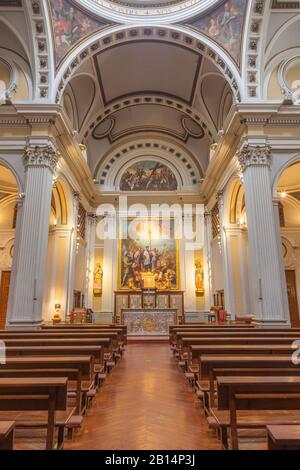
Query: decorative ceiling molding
{"type": "Point", "coordinates": [11, 3]}
{"type": "Point", "coordinates": [145, 11]}
{"type": "Point", "coordinates": [127, 34]}
{"type": "Point", "coordinates": [284, 5]}
{"type": "Point", "coordinates": [110, 165]}
{"type": "Point", "coordinates": [41, 48]}
{"type": "Point", "coordinates": [149, 99]}
{"type": "Point", "coordinates": [254, 49]}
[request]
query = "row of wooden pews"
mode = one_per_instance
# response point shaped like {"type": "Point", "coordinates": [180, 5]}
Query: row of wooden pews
{"type": "Point", "coordinates": [245, 379]}
{"type": "Point", "coordinates": [51, 376]}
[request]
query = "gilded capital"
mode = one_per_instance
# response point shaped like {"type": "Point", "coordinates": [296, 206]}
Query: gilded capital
{"type": "Point", "coordinates": [41, 155]}
{"type": "Point", "coordinates": [254, 156]}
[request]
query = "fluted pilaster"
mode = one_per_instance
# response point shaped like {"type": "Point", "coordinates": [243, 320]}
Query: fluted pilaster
{"type": "Point", "coordinates": [90, 258]}
{"type": "Point", "coordinates": [207, 258]}
{"type": "Point", "coordinates": [72, 258]}
{"type": "Point", "coordinates": [267, 294]}
{"type": "Point", "coordinates": [26, 294]}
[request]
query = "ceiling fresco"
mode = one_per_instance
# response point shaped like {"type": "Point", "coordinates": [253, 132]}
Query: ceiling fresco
{"type": "Point", "coordinates": [223, 24]}
{"type": "Point", "coordinates": [70, 25]}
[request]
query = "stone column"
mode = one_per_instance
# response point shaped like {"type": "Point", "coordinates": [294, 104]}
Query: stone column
{"type": "Point", "coordinates": [237, 259]}
{"type": "Point", "coordinates": [72, 254]}
{"type": "Point", "coordinates": [29, 264]}
{"type": "Point", "coordinates": [268, 297]}
{"type": "Point", "coordinates": [208, 292]}
{"type": "Point", "coordinates": [90, 259]}
{"type": "Point", "coordinates": [281, 260]}
{"type": "Point", "coordinates": [226, 265]}
{"type": "Point", "coordinates": [188, 251]}
{"type": "Point", "coordinates": [110, 270]}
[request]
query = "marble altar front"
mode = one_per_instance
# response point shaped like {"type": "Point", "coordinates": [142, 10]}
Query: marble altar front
{"type": "Point", "coordinates": [148, 322]}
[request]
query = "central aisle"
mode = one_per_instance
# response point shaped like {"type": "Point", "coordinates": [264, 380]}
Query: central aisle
{"type": "Point", "coordinates": [145, 404]}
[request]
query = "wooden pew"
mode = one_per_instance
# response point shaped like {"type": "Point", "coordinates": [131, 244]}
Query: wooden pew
{"type": "Point", "coordinates": [73, 375]}
{"type": "Point", "coordinates": [35, 395]}
{"type": "Point", "coordinates": [20, 342]}
{"type": "Point", "coordinates": [209, 389]}
{"type": "Point", "coordinates": [209, 362]}
{"type": "Point", "coordinates": [283, 437]}
{"type": "Point", "coordinates": [122, 335]}
{"type": "Point", "coordinates": [111, 348]}
{"type": "Point", "coordinates": [255, 402]}
{"type": "Point", "coordinates": [186, 343]}
{"type": "Point", "coordinates": [179, 334]}
{"type": "Point", "coordinates": [195, 352]}
{"type": "Point", "coordinates": [209, 326]}
{"type": "Point", "coordinates": [7, 433]}
{"type": "Point", "coordinates": [95, 351]}
{"type": "Point", "coordinates": [83, 326]}
{"type": "Point", "coordinates": [183, 340]}
{"type": "Point", "coordinates": [175, 331]}
{"type": "Point", "coordinates": [77, 368]}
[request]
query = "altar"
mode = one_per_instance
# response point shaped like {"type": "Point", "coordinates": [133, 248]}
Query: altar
{"type": "Point", "coordinates": [148, 322]}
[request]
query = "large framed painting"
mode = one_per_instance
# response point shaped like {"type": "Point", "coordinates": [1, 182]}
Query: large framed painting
{"type": "Point", "coordinates": [152, 251]}
{"type": "Point", "coordinates": [148, 176]}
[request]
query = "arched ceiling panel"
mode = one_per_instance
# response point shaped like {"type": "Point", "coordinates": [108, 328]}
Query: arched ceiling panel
{"type": "Point", "coordinates": [83, 89]}
{"type": "Point", "coordinates": [147, 67]}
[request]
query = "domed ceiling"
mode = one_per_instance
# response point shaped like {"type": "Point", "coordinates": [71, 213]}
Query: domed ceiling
{"type": "Point", "coordinates": [127, 9]}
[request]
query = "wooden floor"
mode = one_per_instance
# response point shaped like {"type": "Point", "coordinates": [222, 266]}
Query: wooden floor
{"type": "Point", "coordinates": [145, 404]}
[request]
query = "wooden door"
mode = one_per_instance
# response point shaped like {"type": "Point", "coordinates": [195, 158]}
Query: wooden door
{"type": "Point", "coordinates": [4, 291]}
{"type": "Point", "coordinates": [292, 297]}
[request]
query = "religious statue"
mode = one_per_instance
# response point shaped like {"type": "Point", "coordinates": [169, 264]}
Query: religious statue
{"type": "Point", "coordinates": [98, 277]}
{"type": "Point", "coordinates": [199, 278]}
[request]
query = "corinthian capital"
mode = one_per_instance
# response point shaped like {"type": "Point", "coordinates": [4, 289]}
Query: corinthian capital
{"type": "Point", "coordinates": [41, 155]}
{"type": "Point", "coordinates": [254, 156]}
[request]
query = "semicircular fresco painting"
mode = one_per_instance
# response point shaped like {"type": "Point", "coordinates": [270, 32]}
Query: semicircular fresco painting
{"type": "Point", "coordinates": [148, 176]}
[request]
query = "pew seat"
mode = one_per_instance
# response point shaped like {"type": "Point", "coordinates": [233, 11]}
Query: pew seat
{"type": "Point", "coordinates": [39, 420]}
{"type": "Point", "coordinates": [7, 431]}
{"type": "Point", "coordinates": [283, 437]}
{"type": "Point", "coordinates": [251, 419]}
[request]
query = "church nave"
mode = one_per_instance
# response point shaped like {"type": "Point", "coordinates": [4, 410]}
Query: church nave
{"type": "Point", "coordinates": [145, 404]}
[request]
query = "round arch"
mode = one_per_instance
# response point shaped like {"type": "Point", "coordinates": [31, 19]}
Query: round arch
{"type": "Point", "coordinates": [14, 172]}
{"type": "Point", "coordinates": [63, 196]}
{"type": "Point", "coordinates": [235, 202]}
{"type": "Point", "coordinates": [120, 34]}
{"type": "Point", "coordinates": [120, 171]}
{"type": "Point", "coordinates": [295, 158]}
{"type": "Point", "coordinates": [184, 165]}
{"type": "Point", "coordinates": [158, 100]}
